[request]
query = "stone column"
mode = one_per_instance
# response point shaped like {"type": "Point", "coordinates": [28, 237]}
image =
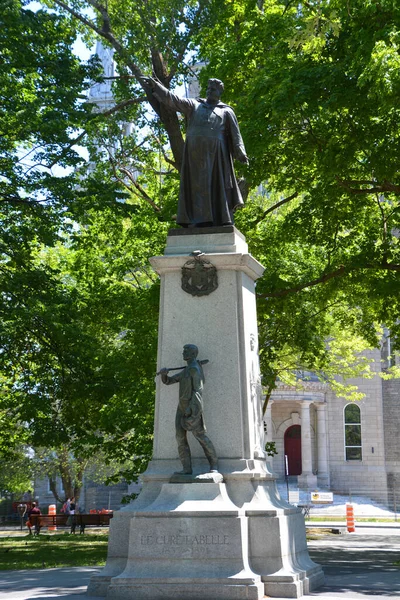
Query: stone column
{"type": "Point", "coordinates": [269, 436]}
{"type": "Point", "coordinates": [223, 324]}
{"type": "Point", "coordinates": [306, 480]}
{"type": "Point", "coordinates": [322, 441]}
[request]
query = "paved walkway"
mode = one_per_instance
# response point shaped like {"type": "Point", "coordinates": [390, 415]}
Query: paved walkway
{"type": "Point", "coordinates": [357, 566]}
{"type": "Point", "coordinates": [70, 583]}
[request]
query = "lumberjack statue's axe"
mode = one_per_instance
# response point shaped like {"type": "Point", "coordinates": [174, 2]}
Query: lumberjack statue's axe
{"type": "Point", "coordinates": [202, 362]}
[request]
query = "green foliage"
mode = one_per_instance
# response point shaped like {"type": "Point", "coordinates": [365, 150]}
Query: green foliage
{"type": "Point", "coordinates": [316, 98]}
{"type": "Point", "coordinates": [270, 449]}
{"type": "Point", "coordinates": [84, 359]}
{"type": "Point", "coordinates": [79, 302]}
{"type": "Point", "coordinates": [16, 474]}
{"type": "Point", "coordinates": [315, 87]}
{"type": "Point", "coordinates": [41, 112]}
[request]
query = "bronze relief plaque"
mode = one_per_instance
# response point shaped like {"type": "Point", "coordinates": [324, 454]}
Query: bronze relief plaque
{"type": "Point", "coordinates": [199, 276]}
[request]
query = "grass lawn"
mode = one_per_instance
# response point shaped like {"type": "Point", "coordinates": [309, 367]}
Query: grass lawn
{"type": "Point", "coordinates": [53, 550]}
{"type": "Point", "coordinates": [318, 533]}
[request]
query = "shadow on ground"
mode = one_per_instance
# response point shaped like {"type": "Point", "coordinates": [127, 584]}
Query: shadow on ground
{"type": "Point", "coordinates": [359, 569]}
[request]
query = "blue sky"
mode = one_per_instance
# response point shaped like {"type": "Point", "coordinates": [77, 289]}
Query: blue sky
{"type": "Point", "coordinates": [79, 48]}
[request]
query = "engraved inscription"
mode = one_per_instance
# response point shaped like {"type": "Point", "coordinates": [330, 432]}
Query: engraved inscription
{"type": "Point", "coordinates": [180, 545]}
{"type": "Point", "coordinates": [184, 540]}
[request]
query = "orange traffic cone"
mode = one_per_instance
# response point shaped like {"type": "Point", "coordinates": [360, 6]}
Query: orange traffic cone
{"type": "Point", "coordinates": [52, 511]}
{"type": "Point", "coordinates": [350, 518]}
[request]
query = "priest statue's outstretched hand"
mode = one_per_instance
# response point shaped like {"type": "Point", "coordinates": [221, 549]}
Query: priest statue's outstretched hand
{"type": "Point", "coordinates": [209, 193]}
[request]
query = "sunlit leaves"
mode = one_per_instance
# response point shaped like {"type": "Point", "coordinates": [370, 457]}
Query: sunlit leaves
{"type": "Point", "coordinates": [315, 87]}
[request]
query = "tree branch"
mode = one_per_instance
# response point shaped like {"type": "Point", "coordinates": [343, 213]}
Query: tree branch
{"type": "Point", "coordinates": [76, 140]}
{"type": "Point", "coordinates": [288, 6]}
{"type": "Point", "coordinates": [190, 27]}
{"type": "Point", "coordinates": [70, 145]}
{"type": "Point", "coordinates": [108, 35]}
{"type": "Point", "coordinates": [275, 206]}
{"type": "Point", "coordinates": [18, 200]}
{"type": "Point", "coordinates": [166, 158]}
{"type": "Point", "coordinates": [168, 116]}
{"type": "Point", "coordinates": [342, 270]}
{"type": "Point", "coordinates": [270, 389]}
{"type": "Point", "coordinates": [104, 15]}
{"type": "Point", "coordinates": [140, 189]}
{"type": "Point", "coordinates": [376, 188]}
{"type": "Point", "coordinates": [53, 488]}
{"type": "Point", "coordinates": [384, 228]}
{"type": "Point", "coordinates": [78, 16]}
{"type": "Point", "coordinates": [122, 105]}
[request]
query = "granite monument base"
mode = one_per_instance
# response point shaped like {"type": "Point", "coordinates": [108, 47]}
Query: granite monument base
{"type": "Point", "coordinates": [198, 540]}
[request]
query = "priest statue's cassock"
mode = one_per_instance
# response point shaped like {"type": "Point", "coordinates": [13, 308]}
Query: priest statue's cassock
{"type": "Point", "coordinates": [209, 193]}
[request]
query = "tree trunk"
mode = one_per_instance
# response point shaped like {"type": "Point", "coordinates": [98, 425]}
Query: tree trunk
{"type": "Point", "coordinates": [53, 488]}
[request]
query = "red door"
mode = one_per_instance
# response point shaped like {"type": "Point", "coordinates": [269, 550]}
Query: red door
{"type": "Point", "coordinates": [293, 449]}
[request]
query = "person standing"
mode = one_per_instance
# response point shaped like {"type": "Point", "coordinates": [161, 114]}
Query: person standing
{"type": "Point", "coordinates": [72, 518]}
{"type": "Point", "coordinates": [34, 512]}
{"type": "Point", "coordinates": [72, 506]}
{"type": "Point", "coordinates": [66, 506]}
{"type": "Point", "coordinates": [189, 414]}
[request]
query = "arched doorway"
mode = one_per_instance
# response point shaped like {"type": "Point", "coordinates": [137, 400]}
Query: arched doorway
{"type": "Point", "coordinates": [293, 449]}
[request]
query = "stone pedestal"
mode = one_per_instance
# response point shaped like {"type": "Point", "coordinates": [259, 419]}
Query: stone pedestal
{"type": "Point", "coordinates": [228, 536]}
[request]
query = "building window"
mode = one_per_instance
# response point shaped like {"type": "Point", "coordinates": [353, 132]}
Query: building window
{"type": "Point", "coordinates": [352, 432]}
{"type": "Point", "coordinates": [388, 357]}
{"type": "Point", "coordinates": [59, 486]}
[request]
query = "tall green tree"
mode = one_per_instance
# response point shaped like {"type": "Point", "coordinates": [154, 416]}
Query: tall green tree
{"type": "Point", "coordinates": [79, 353]}
{"type": "Point", "coordinates": [39, 80]}
{"type": "Point", "coordinates": [78, 310]}
{"type": "Point", "coordinates": [315, 87]}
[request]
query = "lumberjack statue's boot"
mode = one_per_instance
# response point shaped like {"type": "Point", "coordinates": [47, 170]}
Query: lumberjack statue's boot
{"type": "Point", "coordinates": [186, 460]}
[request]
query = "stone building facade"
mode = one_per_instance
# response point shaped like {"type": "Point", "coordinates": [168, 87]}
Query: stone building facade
{"type": "Point", "coordinates": [327, 442]}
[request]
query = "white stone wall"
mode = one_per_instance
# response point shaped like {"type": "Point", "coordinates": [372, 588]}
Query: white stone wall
{"type": "Point", "coordinates": [380, 423]}
{"type": "Point", "coordinates": [391, 424]}
{"type": "Point", "coordinates": [367, 476]}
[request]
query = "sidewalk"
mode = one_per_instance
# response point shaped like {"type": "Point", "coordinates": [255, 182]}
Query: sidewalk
{"type": "Point", "coordinates": [357, 566]}
{"type": "Point", "coordinates": [363, 505]}
{"type": "Point", "coordinates": [67, 584]}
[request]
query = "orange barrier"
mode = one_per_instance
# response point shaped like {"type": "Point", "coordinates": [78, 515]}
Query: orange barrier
{"type": "Point", "coordinates": [52, 511]}
{"type": "Point", "coordinates": [350, 518]}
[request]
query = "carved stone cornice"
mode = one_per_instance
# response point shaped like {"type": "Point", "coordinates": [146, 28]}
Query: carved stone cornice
{"type": "Point", "coordinates": [316, 386]}
{"type": "Point", "coordinates": [304, 391]}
